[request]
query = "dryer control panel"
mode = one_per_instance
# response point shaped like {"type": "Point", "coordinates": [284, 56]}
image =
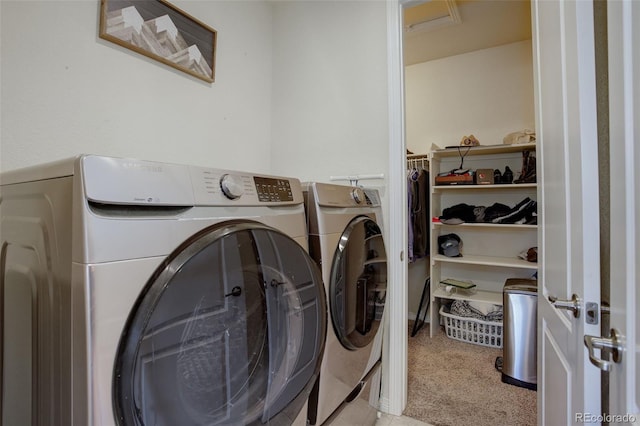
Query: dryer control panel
{"type": "Point", "coordinates": [225, 187]}
{"type": "Point", "coordinates": [273, 189]}
{"type": "Point", "coordinates": [124, 181]}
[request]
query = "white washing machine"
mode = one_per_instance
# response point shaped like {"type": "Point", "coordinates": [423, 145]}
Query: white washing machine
{"type": "Point", "coordinates": [144, 293]}
{"type": "Point", "coordinates": [345, 239]}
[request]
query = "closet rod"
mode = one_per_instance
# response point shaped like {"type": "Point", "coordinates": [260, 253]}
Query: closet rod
{"type": "Point", "coordinates": [418, 160]}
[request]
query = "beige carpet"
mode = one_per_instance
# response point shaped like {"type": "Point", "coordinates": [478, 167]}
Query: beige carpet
{"type": "Point", "coordinates": [453, 383]}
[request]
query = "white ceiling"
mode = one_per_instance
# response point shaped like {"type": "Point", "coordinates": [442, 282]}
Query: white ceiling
{"type": "Point", "coordinates": [441, 28]}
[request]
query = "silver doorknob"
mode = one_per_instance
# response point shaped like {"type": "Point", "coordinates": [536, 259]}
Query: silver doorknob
{"type": "Point", "coordinates": [613, 344]}
{"type": "Point", "coordinates": [573, 305]}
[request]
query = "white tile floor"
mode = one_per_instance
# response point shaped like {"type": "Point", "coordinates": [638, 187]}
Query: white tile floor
{"type": "Point", "coordinates": [389, 420]}
{"type": "Point", "coordinates": [360, 413]}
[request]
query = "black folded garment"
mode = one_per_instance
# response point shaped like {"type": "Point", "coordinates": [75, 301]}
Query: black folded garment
{"type": "Point", "coordinates": [523, 212]}
{"type": "Point", "coordinates": [461, 211]}
{"type": "Point", "coordinates": [495, 210]}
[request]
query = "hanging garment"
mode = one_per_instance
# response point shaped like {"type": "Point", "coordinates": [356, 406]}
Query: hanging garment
{"type": "Point", "coordinates": [419, 214]}
{"type": "Point", "coordinates": [410, 215]}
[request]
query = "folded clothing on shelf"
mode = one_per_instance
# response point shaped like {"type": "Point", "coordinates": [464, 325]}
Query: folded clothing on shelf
{"type": "Point", "coordinates": [523, 212]}
{"type": "Point", "coordinates": [462, 211]}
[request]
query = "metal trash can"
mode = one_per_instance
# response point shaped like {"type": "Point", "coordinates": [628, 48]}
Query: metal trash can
{"type": "Point", "coordinates": [520, 307]}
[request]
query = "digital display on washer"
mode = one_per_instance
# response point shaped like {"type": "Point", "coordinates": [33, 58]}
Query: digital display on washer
{"type": "Point", "coordinates": [270, 189]}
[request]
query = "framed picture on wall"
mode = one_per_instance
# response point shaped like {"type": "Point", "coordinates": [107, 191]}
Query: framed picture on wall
{"type": "Point", "coordinates": [159, 30]}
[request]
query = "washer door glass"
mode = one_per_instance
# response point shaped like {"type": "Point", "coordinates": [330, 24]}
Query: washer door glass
{"type": "Point", "coordinates": [229, 331]}
{"type": "Point", "coordinates": [358, 285]}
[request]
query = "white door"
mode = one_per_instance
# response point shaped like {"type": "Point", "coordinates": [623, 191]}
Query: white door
{"type": "Point", "coordinates": [564, 61]}
{"type": "Point", "coordinates": [624, 119]}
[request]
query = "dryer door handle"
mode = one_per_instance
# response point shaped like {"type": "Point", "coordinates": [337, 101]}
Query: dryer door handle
{"type": "Point", "coordinates": [236, 291]}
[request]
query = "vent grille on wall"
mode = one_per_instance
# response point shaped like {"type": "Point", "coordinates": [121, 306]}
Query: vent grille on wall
{"type": "Point", "coordinates": [430, 15]}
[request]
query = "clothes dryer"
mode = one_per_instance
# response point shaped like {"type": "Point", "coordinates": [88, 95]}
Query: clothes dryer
{"type": "Point", "coordinates": [144, 293]}
{"type": "Point", "coordinates": [346, 240]}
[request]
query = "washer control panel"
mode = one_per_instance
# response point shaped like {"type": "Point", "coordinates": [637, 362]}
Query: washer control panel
{"type": "Point", "coordinates": [342, 196]}
{"type": "Point", "coordinates": [358, 195]}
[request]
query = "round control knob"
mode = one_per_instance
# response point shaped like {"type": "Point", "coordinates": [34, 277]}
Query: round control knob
{"type": "Point", "coordinates": [231, 186]}
{"type": "Point", "coordinates": [358, 195]}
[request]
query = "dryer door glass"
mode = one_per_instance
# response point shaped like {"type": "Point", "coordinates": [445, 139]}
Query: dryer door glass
{"type": "Point", "coordinates": [358, 285]}
{"type": "Point", "coordinates": [229, 331]}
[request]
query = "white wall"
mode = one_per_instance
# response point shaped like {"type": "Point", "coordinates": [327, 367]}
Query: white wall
{"type": "Point", "coordinates": [65, 91]}
{"type": "Point", "coordinates": [301, 89]}
{"type": "Point", "coordinates": [330, 101]}
{"type": "Point", "coordinates": [487, 93]}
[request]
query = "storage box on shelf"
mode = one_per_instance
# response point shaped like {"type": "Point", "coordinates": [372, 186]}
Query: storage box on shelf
{"type": "Point", "coordinates": [489, 250]}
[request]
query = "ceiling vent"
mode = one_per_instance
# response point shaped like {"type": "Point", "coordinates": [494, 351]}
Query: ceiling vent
{"type": "Point", "coordinates": [431, 15]}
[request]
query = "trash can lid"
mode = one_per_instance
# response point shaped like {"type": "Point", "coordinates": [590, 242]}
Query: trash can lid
{"type": "Point", "coordinates": [521, 285]}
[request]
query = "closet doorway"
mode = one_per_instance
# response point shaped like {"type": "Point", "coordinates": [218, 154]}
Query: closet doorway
{"type": "Point", "coordinates": [468, 72]}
